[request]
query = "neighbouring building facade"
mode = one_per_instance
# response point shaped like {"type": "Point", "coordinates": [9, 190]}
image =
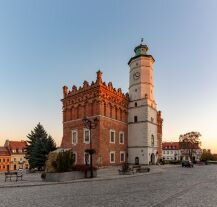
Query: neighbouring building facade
{"type": "Point", "coordinates": [196, 153]}
{"type": "Point", "coordinates": [128, 128]}
{"type": "Point", "coordinates": [17, 154]}
{"type": "Point", "coordinates": [171, 151]}
{"type": "Point", "coordinates": [5, 159]}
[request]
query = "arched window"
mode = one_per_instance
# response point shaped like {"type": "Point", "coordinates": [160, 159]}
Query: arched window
{"type": "Point", "coordinates": [136, 104]}
{"type": "Point", "coordinates": [110, 111]}
{"type": "Point", "coordinates": [104, 109]}
{"type": "Point", "coordinates": [120, 115]}
{"type": "Point", "coordinates": [116, 113]}
{"type": "Point", "coordinates": [135, 118]}
{"type": "Point", "coordinates": [152, 140]}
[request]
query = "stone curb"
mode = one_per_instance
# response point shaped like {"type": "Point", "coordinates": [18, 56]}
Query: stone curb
{"type": "Point", "coordinates": [79, 180]}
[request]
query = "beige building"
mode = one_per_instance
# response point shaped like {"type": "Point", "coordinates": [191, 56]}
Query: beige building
{"type": "Point", "coordinates": [17, 151]}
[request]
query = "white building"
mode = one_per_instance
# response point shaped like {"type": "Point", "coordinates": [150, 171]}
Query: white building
{"type": "Point", "coordinates": [142, 111]}
{"type": "Point", "coordinates": [171, 151]}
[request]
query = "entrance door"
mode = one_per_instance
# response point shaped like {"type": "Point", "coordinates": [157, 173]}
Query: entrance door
{"type": "Point", "coordinates": [137, 161]}
{"type": "Point", "coordinates": [152, 159]}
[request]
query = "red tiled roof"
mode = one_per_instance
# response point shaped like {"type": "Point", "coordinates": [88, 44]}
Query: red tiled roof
{"type": "Point", "coordinates": [4, 151]}
{"type": "Point", "coordinates": [17, 144]}
{"type": "Point", "coordinates": [170, 145]}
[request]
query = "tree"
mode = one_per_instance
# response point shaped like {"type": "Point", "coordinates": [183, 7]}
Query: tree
{"type": "Point", "coordinates": [38, 147]}
{"type": "Point", "coordinates": [189, 143]}
{"type": "Point", "coordinates": [206, 155]}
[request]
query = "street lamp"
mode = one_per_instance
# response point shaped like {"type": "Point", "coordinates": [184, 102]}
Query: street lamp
{"type": "Point", "coordinates": [90, 124]}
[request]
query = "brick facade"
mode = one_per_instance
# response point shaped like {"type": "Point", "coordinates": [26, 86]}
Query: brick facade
{"type": "Point", "coordinates": [5, 159]}
{"type": "Point", "coordinates": [159, 133]}
{"type": "Point", "coordinates": [107, 104]}
{"type": "Point", "coordinates": [17, 151]}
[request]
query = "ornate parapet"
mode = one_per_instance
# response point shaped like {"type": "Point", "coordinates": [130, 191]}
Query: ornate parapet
{"type": "Point", "coordinates": [96, 90]}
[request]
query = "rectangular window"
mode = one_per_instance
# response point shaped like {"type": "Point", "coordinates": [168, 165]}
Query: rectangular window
{"type": "Point", "coordinates": [74, 137]}
{"type": "Point", "coordinates": [112, 136]}
{"type": "Point", "coordinates": [74, 157]}
{"type": "Point", "coordinates": [87, 136]}
{"type": "Point", "coordinates": [86, 158]}
{"type": "Point", "coordinates": [122, 156]}
{"type": "Point", "coordinates": [112, 157]}
{"type": "Point", "coordinates": [121, 138]}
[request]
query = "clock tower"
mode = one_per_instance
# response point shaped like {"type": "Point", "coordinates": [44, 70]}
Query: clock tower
{"type": "Point", "coordinates": [142, 111]}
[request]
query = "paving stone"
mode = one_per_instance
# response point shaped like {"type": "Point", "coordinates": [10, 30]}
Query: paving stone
{"type": "Point", "coordinates": [173, 187]}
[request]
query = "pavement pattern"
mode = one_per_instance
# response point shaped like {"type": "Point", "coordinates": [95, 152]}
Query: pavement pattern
{"type": "Point", "coordinates": [172, 186]}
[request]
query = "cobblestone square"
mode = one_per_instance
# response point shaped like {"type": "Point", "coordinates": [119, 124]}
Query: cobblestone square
{"type": "Point", "coordinates": [171, 186]}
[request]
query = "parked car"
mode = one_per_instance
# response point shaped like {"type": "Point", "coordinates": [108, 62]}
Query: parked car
{"type": "Point", "coordinates": [187, 163]}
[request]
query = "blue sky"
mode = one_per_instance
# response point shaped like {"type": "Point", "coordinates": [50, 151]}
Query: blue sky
{"type": "Point", "coordinates": [46, 44]}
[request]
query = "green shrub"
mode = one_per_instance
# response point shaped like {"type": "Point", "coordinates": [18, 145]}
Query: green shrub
{"type": "Point", "coordinates": [43, 175]}
{"type": "Point", "coordinates": [64, 161]}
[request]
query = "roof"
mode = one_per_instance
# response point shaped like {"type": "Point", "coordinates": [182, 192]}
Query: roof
{"type": "Point", "coordinates": [4, 151]}
{"type": "Point", "coordinates": [141, 51]}
{"type": "Point", "coordinates": [141, 55]}
{"type": "Point", "coordinates": [170, 145]}
{"type": "Point", "coordinates": [17, 144]}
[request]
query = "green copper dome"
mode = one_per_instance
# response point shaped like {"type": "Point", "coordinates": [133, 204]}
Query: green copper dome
{"type": "Point", "coordinates": [141, 49]}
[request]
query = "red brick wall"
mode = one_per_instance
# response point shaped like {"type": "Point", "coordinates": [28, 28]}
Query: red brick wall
{"type": "Point", "coordinates": [105, 147]}
{"type": "Point", "coordinates": [4, 163]}
{"type": "Point", "coordinates": [159, 133]}
{"type": "Point", "coordinates": [99, 100]}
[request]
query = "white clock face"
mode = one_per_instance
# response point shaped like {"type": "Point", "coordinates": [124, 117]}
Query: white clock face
{"type": "Point", "coordinates": [136, 75]}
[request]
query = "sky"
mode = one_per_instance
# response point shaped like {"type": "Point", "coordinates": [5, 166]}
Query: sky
{"type": "Point", "coordinates": [46, 44]}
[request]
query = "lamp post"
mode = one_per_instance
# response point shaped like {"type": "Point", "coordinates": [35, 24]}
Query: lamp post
{"type": "Point", "coordinates": [90, 124]}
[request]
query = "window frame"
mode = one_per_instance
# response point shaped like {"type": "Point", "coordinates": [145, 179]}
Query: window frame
{"type": "Point", "coordinates": [88, 159]}
{"type": "Point", "coordinates": [85, 130]}
{"type": "Point", "coordinates": [124, 153]}
{"type": "Point", "coordinates": [76, 154]}
{"type": "Point", "coordinates": [152, 140]}
{"type": "Point", "coordinates": [110, 133]}
{"type": "Point", "coordinates": [112, 152]}
{"type": "Point", "coordinates": [76, 137]}
{"type": "Point", "coordinates": [121, 133]}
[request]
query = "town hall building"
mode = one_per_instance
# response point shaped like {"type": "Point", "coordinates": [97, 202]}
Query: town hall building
{"type": "Point", "coordinates": [124, 127]}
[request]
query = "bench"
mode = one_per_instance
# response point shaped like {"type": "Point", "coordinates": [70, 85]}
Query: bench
{"type": "Point", "coordinates": [126, 172]}
{"type": "Point", "coordinates": [143, 169]}
{"type": "Point", "coordinates": [9, 175]}
{"type": "Point", "coordinates": [126, 169]}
